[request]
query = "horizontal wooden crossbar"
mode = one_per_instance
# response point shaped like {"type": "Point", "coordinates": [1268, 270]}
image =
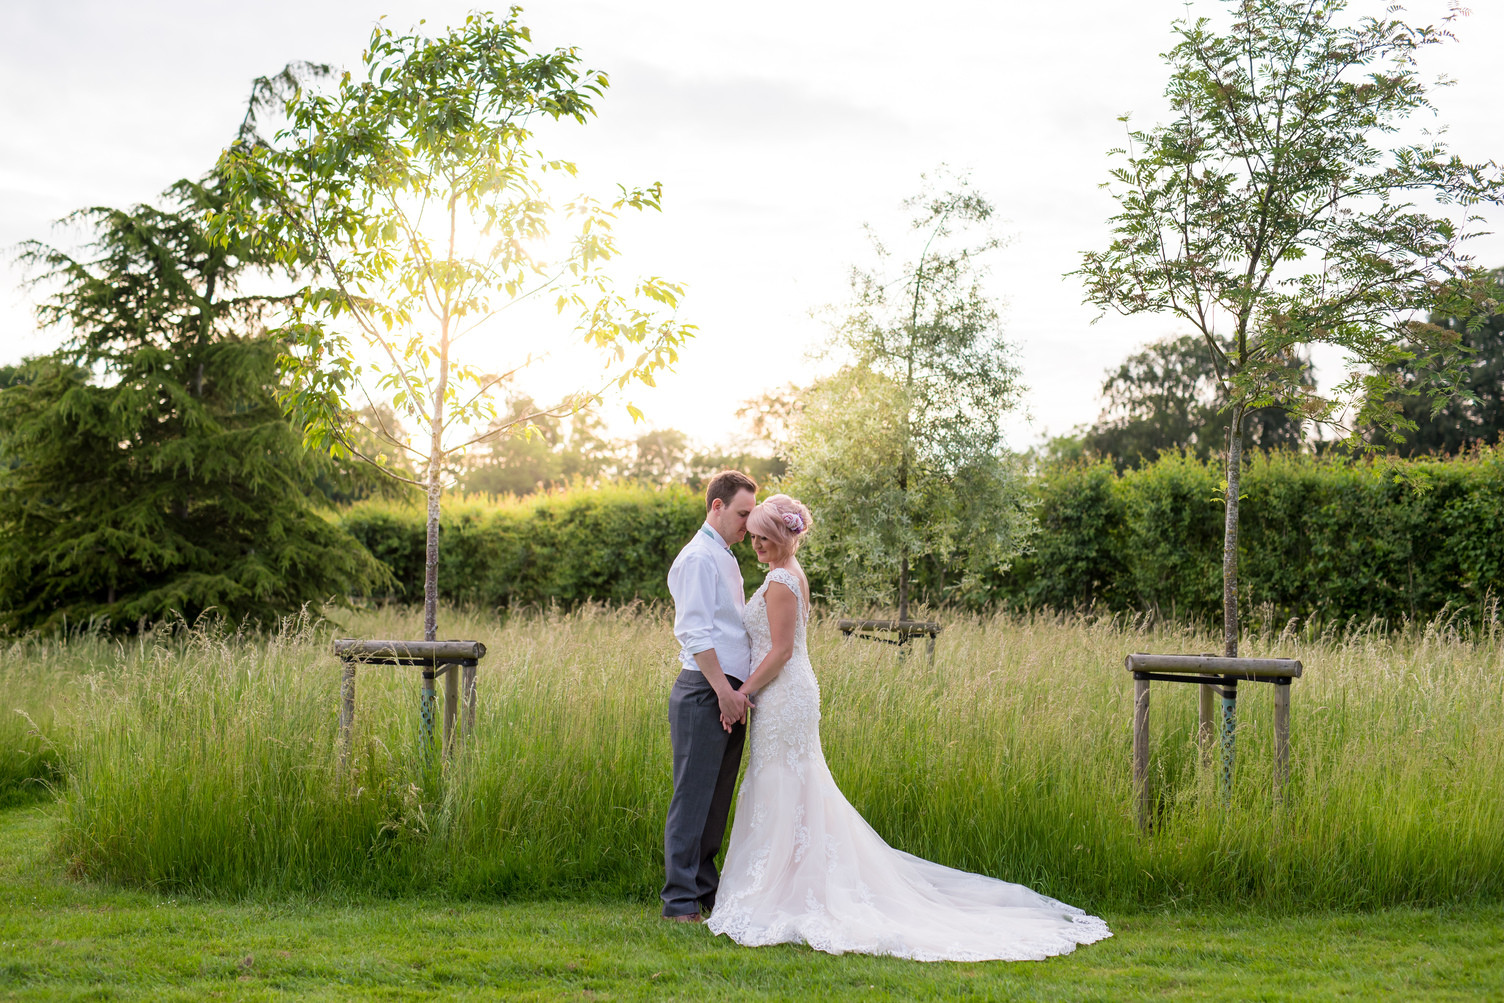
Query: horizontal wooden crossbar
{"type": "Point", "coordinates": [1213, 681]}
{"type": "Point", "coordinates": [408, 652]}
{"type": "Point", "coordinates": [1216, 665]}
{"type": "Point", "coordinates": [897, 626]}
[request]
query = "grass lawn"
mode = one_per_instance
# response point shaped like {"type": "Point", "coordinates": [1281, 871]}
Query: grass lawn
{"type": "Point", "coordinates": [60, 939]}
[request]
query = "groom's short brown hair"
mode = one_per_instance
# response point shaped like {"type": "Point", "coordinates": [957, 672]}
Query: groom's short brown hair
{"type": "Point", "coordinates": [726, 485]}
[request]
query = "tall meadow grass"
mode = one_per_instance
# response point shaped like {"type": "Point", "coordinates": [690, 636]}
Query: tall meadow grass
{"type": "Point", "coordinates": [39, 688]}
{"type": "Point", "coordinates": [209, 761]}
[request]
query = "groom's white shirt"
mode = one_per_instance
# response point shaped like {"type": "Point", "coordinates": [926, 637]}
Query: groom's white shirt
{"type": "Point", "coordinates": [706, 584]}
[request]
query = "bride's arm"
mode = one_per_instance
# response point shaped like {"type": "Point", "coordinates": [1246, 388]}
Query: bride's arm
{"type": "Point", "coordinates": [783, 608]}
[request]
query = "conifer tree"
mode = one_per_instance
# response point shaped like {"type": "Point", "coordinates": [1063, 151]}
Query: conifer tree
{"type": "Point", "coordinates": [152, 472]}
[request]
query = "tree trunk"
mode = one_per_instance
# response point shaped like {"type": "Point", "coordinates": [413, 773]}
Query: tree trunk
{"type": "Point", "coordinates": [903, 551]}
{"type": "Point", "coordinates": [435, 492]}
{"type": "Point", "coordinates": [436, 458]}
{"type": "Point", "coordinates": [908, 427]}
{"type": "Point", "coordinates": [1230, 535]}
{"type": "Point", "coordinates": [431, 558]}
{"type": "Point", "coordinates": [903, 586]}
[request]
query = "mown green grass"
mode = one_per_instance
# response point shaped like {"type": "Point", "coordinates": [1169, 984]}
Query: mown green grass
{"type": "Point", "coordinates": [61, 938]}
{"type": "Point", "coordinates": [203, 762]}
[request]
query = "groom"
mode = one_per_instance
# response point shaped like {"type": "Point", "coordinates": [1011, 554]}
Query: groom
{"type": "Point", "coordinates": [706, 584]}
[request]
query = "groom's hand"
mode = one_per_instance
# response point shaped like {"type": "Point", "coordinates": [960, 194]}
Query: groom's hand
{"type": "Point", "coordinates": [728, 722]}
{"type": "Point", "coordinates": [734, 706]}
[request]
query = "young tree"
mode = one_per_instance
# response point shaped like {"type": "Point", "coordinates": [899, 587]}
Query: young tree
{"type": "Point", "coordinates": [413, 193]}
{"type": "Point", "coordinates": [901, 452]}
{"type": "Point", "coordinates": [151, 470]}
{"type": "Point", "coordinates": [1266, 216]}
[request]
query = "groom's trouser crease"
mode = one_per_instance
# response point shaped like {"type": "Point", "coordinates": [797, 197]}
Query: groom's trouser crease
{"type": "Point", "coordinates": [706, 760]}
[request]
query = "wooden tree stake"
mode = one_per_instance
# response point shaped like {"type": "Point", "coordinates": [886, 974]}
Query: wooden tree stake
{"type": "Point", "coordinates": [469, 698]}
{"type": "Point", "coordinates": [451, 706]}
{"type": "Point", "coordinates": [1281, 738]}
{"type": "Point", "coordinates": [346, 712]}
{"type": "Point", "coordinates": [1204, 725]}
{"type": "Point", "coordinates": [1141, 750]}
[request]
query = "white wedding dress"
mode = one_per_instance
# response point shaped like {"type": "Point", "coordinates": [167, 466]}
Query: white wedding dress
{"type": "Point", "coordinates": [803, 865]}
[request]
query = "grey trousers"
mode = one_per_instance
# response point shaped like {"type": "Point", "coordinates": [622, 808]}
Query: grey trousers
{"type": "Point", "coordinates": [705, 763]}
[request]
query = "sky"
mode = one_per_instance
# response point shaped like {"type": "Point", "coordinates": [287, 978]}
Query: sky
{"type": "Point", "coordinates": [777, 130]}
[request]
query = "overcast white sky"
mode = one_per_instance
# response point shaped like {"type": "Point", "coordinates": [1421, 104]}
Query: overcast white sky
{"type": "Point", "coordinates": [777, 129]}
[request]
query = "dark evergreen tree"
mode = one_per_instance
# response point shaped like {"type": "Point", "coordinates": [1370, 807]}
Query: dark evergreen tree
{"type": "Point", "coordinates": [9, 377]}
{"type": "Point", "coordinates": [153, 473]}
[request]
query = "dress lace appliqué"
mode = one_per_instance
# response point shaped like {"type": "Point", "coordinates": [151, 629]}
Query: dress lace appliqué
{"type": "Point", "coordinates": [854, 892]}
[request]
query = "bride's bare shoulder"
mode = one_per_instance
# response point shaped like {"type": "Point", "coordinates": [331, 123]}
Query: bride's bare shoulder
{"type": "Point", "coordinates": [794, 580]}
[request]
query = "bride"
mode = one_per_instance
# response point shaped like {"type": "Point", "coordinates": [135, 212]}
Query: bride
{"type": "Point", "coordinates": [802, 865]}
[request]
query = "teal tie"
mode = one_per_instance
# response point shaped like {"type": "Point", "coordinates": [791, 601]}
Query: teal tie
{"type": "Point", "coordinates": [716, 539]}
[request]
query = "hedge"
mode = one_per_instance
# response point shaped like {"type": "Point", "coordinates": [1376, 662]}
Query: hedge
{"type": "Point", "coordinates": [1329, 537]}
{"type": "Point", "coordinates": [1325, 537]}
{"type": "Point", "coordinates": [609, 544]}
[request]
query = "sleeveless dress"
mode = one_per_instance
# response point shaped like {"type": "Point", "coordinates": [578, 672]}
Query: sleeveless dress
{"type": "Point", "coordinates": [804, 866]}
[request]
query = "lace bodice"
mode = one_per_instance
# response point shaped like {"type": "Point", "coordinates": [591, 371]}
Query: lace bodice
{"type": "Point", "coordinates": [786, 716]}
{"type": "Point", "coordinates": [755, 617]}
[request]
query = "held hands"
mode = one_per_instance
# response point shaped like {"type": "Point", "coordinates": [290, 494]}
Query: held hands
{"type": "Point", "coordinates": [734, 707]}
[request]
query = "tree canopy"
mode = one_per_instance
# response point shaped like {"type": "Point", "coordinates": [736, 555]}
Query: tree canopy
{"type": "Point", "coordinates": [1476, 415]}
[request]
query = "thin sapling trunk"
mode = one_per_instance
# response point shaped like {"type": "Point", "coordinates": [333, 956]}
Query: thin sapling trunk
{"type": "Point", "coordinates": [1230, 535]}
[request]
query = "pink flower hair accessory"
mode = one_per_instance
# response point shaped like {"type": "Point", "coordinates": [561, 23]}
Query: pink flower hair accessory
{"type": "Point", "coordinates": [794, 522]}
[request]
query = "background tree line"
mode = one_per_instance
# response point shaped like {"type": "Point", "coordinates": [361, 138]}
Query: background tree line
{"type": "Point", "coordinates": [557, 452]}
{"type": "Point", "coordinates": [1167, 397]}
{"type": "Point", "coordinates": [128, 452]}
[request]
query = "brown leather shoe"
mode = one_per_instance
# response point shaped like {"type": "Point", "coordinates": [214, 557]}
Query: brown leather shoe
{"type": "Point", "coordinates": [692, 917]}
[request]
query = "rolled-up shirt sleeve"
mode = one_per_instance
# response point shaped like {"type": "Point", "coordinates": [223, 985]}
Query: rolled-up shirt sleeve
{"type": "Point", "coordinates": [692, 582]}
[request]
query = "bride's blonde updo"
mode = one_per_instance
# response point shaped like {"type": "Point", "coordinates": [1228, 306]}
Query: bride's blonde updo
{"type": "Point", "coordinates": [782, 521]}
